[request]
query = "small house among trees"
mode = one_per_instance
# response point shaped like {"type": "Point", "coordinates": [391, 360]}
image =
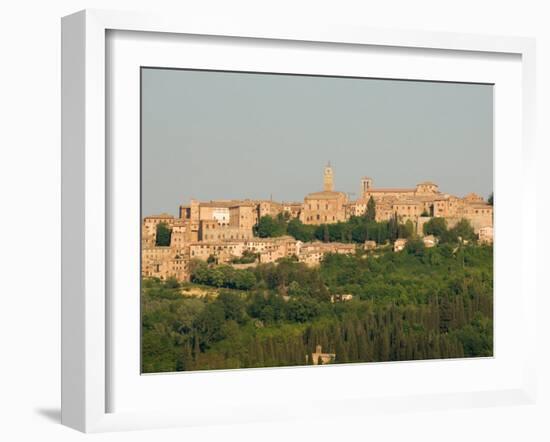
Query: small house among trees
{"type": "Point", "coordinates": [320, 358]}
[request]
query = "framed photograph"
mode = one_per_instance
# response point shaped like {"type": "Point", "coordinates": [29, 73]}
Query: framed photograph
{"type": "Point", "coordinates": [266, 223]}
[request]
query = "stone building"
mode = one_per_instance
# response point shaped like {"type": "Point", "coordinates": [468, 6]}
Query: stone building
{"type": "Point", "coordinates": [270, 208]}
{"type": "Point", "coordinates": [327, 206]}
{"type": "Point", "coordinates": [311, 257]}
{"type": "Point", "coordinates": [210, 230]}
{"type": "Point", "coordinates": [486, 235]}
{"type": "Point", "coordinates": [150, 223]}
{"type": "Point", "coordinates": [422, 202]}
{"type": "Point", "coordinates": [273, 249]}
{"type": "Point", "coordinates": [268, 249]}
{"type": "Point", "coordinates": [399, 244]}
{"type": "Point", "coordinates": [312, 253]}
{"type": "Point", "coordinates": [293, 209]}
{"type": "Point", "coordinates": [429, 241]}
{"type": "Point", "coordinates": [222, 251]}
{"type": "Point", "coordinates": [165, 262]}
{"type": "Point", "coordinates": [243, 216]}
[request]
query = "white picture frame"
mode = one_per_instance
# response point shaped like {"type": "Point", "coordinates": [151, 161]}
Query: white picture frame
{"type": "Point", "coordinates": [86, 317]}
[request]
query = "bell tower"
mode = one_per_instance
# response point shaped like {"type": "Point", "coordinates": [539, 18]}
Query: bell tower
{"type": "Point", "coordinates": [328, 179]}
{"type": "Point", "coordinates": [366, 185]}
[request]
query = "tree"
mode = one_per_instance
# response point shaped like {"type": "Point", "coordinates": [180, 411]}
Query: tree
{"type": "Point", "coordinates": [415, 246]}
{"type": "Point", "coordinates": [463, 230]}
{"type": "Point", "coordinates": [247, 257]}
{"type": "Point", "coordinates": [326, 234]}
{"type": "Point", "coordinates": [436, 226]}
{"type": "Point", "coordinates": [393, 228]}
{"type": "Point", "coordinates": [269, 227]}
{"type": "Point", "coordinates": [301, 231]}
{"type": "Point", "coordinates": [404, 307]}
{"type": "Point", "coordinates": [406, 230]}
{"type": "Point", "coordinates": [302, 309]}
{"type": "Point", "coordinates": [172, 283]}
{"type": "Point", "coordinates": [209, 324]}
{"type": "Point", "coordinates": [490, 200]}
{"type": "Point", "coordinates": [371, 210]}
{"type": "Point", "coordinates": [445, 315]}
{"type": "Point", "coordinates": [233, 306]}
{"type": "Point", "coordinates": [163, 235]}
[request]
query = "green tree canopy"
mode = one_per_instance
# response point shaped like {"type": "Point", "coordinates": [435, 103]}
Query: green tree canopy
{"type": "Point", "coordinates": [464, 230]}
{"type": "Point", "coordinates": [301, 231]}
{"type": "Point", "coordinates": [415, 246]}
{"type": "Point", "coordinates": [420, 304]}
{"type": "Point", "coordinates": [436, 226]}
{"type": "Point", "coordinates": [164, 234]}
{"type": "Point", "coordinates": [269, 227]}
{"type": "Point", "coordinates": [406, 230]}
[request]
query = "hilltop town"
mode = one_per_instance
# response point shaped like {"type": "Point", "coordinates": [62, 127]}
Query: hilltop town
{"type": "Point", "coordinates": [223, 231]}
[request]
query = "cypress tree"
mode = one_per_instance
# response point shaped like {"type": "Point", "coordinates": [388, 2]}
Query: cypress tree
{"type": "Point", "coordinates": [326, 233]}
{"type": "Point", "coordinates": [196, 346]}
{"type": "Point", "coordinates": [445, 315]}
{"type": "Point", "coordinates": [371, 209]}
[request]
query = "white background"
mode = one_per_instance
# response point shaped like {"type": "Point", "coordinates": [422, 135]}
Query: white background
{"type": "Point", "coordinates": [30, 217]}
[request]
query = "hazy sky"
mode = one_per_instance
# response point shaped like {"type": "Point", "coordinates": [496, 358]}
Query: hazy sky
{"type": "Point", "coordinates": [220, 135]}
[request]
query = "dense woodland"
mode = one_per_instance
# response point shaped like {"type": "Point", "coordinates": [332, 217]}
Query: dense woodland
{"type": "Point", "coordinates": [416, 304]}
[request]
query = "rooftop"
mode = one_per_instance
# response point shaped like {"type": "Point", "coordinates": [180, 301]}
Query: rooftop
{"type": "Point", "coordinates": [159, 216]}
{"type": "Point", "coordinates": [427, 183]}
{"type": "Point", "coordinates": [325, 195]}
{"type": "Point", "coordinates": [473, 196]}
{"type": "Point", "coordinates": [391, 189]}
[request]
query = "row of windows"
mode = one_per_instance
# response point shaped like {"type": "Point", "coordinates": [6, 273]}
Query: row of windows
{"type": "Point", "coordinates": [318, 206]}
{"type": "Point", "coordinates": [223, 236]}
{"type": "Point", "coordinates": [318, 218]}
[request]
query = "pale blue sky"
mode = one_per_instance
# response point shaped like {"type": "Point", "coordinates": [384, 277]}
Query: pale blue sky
{"type": "Point", "coordinates": [220, 135]}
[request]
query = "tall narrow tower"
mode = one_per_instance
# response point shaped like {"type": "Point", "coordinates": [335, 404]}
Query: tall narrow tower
{"type": "Point", "coordinates": [328, 179]}
{"type": "Point", "coordinates": [366, 184]}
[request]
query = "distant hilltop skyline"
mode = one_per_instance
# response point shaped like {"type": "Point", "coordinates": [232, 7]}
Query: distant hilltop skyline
{"type": "Point", "coordinates": [230, 135]}
{"type": "Point", "coordinates": [328, 184]}
{"type": "Point", "coordinates": [329, 205]}
{"type": "Point", "coordinates": [204, 228]}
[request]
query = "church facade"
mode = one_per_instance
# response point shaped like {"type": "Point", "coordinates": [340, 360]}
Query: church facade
{"type": "Point", "coordinates": [326, 206]}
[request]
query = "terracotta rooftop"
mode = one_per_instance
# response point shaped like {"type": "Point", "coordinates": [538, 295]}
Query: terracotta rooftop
{"type": "Point", "coordinates": [472, 196]}
{"type": "Point", "coordinates": [160, 216]}
{"type": "Point", "coordinates": [324, 195]}
{"type": "Point", "coordinates": [427, 183]}
{"type": "Point", "coordinates": [407, 202]}
{"type": "Point", "coordinates": [227, 203]}
{"type": "Point", "coordinates": [391, 189]}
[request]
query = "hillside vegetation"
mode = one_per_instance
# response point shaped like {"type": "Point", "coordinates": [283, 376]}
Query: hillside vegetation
{"type": "Point", "coordinates": [415, 304]}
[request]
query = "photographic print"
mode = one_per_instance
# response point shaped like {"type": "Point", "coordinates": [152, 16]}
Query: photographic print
{"type": "Point", "coordinates": [295, 220]}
